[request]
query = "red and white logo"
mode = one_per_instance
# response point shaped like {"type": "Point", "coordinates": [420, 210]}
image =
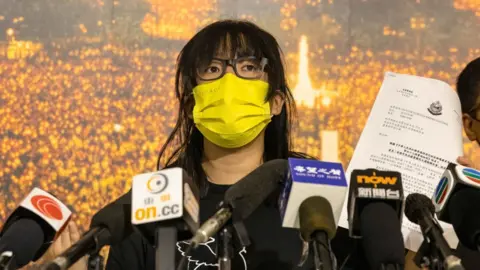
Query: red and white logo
{"type": "Point", "coordinates": [47, 206]}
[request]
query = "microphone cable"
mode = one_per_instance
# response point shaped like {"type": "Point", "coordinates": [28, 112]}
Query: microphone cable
{"type": "Point", "coordinates": [354, 248]}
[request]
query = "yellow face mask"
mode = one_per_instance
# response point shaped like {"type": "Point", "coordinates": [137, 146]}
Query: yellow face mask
{"type": "Point", "coordinates": [231, 112]}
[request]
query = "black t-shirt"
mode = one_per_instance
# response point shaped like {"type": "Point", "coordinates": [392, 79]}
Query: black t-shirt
{"type": "Point", "coordinates": [272, 247]}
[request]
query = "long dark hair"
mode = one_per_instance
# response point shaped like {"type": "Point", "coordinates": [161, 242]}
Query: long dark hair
{"type": "Point", "coordinates": [468, 87]}
{"type": "Point", "coordinates": [233, 38]}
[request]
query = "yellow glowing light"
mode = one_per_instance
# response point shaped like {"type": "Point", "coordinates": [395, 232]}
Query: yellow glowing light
{"type": "Point", "coordinates": [180, 21]}
{"type": "Point", "coordinates": [288, 22]}
{"type": "Point", "coordinates": [417, 23]}
{"type": "Point", "coordinates": [10, 31]}
{"type": "Point", "coordinates": [22, 49]}
{"type": "Point", "coordinates": [117, 127]}
{"type": "Point", "coordinates": [473, 5]}
{"type": "Point", "coordinates": [303, 92]}
{"type": "Point", "coordinates": [83, 28]}
{"type": "Point", "coordinates": [326, 101]}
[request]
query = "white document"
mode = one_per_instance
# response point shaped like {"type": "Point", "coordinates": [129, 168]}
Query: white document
{"type": "Point", "coordinates": [414, 128]}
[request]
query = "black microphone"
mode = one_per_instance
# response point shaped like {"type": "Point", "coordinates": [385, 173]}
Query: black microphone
{"type": "Point", "coordinates": [239, 202]}
{"type": "Point", "coordinates": [20, 243]}
{"type": "Point", "coordinates": [382, 240]}
{"type": "Point", "coordinates": [243, 198]}
{"type": "Point", "coordinates": [31, 228]}
{"type": "Point", "coordinates": [317, 225]}
{"type": "Point", "coordinates": [374, 194]}
{"type": "Point", "coordinates": [109, 226]}
{"type": "Point", "coordinates": [371, 185]}
{"type": "Point", "coordinates": [419, 209]}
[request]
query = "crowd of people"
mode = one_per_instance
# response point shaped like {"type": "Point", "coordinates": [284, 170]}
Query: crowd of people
{"type": "Point", "coordinates": [82, 127]}
{"type": "Point", "coordinates": [82, 122]}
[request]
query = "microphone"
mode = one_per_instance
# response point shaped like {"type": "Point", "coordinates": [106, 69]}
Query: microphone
{"type": "Point", "coordinates": [455, 200]}
{"type": "Point", "coordinates": [317, 225]}
{"type": "Point", "coordinates": [165, 206]}
{"type": "Point", "coordinates": [375, 194]}
{"type": "Point", "coordinates": [420, 210]}
{"type": "Point", "coordinates": [243, 198]}
{"type": "Point", "coordinates": [109, 226]}
{"type": "Point", "coordinates": [31, 228]}
{"type": "Point", "coordinates": [239, 202]}
{"type": "Point", "coordinates": [312, 201]}
{"type": "Point", "coordinates": [372, 185]}
{"type": "Point", "coordinates": [382, 241]}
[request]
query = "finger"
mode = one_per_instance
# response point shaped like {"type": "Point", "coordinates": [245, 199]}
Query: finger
{"type": "Point", "coordinates": [464, 161]}
{"type": "Point", "coordinates": [50, 254]}
{"type": "Point", "coordinates": [74, 232]}
{"type": "Point", "coordinates": [66, 237]}
{"type": "Point", "coordinates": [58, 245]}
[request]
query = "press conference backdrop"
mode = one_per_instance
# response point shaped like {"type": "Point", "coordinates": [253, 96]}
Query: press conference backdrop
{"type": "Point", "coordinates": [86, 86]}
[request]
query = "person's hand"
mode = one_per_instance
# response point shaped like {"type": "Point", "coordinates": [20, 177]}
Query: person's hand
{"type": "Point", "coordinates": [465, 161]}
{"type": "Point", "coordinates": [67, 238]}
{"type": "Point", "coordinates": [409, 262]}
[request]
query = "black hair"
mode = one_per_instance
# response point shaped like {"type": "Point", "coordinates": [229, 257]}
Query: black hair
{"type": "Point", "coordinates": [229, 38]}
{"type": "Point", "coordinates": [468, 86]}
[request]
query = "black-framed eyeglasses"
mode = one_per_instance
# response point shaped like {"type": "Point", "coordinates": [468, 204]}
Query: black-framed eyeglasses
{"type": "Point", "coordinates": [248, 67]}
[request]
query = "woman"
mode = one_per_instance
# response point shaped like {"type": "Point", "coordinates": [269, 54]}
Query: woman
{"type": "Point", "coordinates": [235, 113]}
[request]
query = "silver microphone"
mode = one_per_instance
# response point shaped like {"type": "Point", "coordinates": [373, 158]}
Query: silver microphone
{"type": "Point", "coordinates": [211, 226]}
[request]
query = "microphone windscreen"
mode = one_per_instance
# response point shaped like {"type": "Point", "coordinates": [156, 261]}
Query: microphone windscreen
{"type": "Point", "coordinates": [415, 206]}
{"type": "Point", "coordinates": [463, 210]}
{"type": "Point", "coordinates": [116, 218]}
{"type": "Point", "coordinates": [24, 238]}
{"type": "Point", "coordinates": [316, 214]}
{"type": "Point", "coordinates": [248, 193]}
{"type": "Point", "coordinates": [382, 236]}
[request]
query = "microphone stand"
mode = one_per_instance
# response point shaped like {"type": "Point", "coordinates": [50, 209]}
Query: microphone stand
{"type": "Point", "coordinates": [428, 256]}
{"type": "Point", "coordinates": [322, 254]}
{"type": "Point", "coordinates": [7, 261]}
{"type": "Point", "coordinates": [95, 262]}
{"type": "Point", "coordinates": [225, 248]}
{"type": "Point", "coordinates": [165, 240]}
{"type": "Point", "coordinates": [438, 246]}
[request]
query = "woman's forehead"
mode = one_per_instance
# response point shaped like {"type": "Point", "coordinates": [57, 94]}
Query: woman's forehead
{"type": "Point", "coordinates": [230, 46]}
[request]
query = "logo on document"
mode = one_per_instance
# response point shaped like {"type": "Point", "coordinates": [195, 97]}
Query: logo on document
{"type": "Point", "coordinates": [441, 190]}
{"type": "Point", "coordinates": [435, 108]}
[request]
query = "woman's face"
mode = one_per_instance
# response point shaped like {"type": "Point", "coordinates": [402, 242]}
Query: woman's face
{"type": "Point", "coordinates": [243, 66]}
